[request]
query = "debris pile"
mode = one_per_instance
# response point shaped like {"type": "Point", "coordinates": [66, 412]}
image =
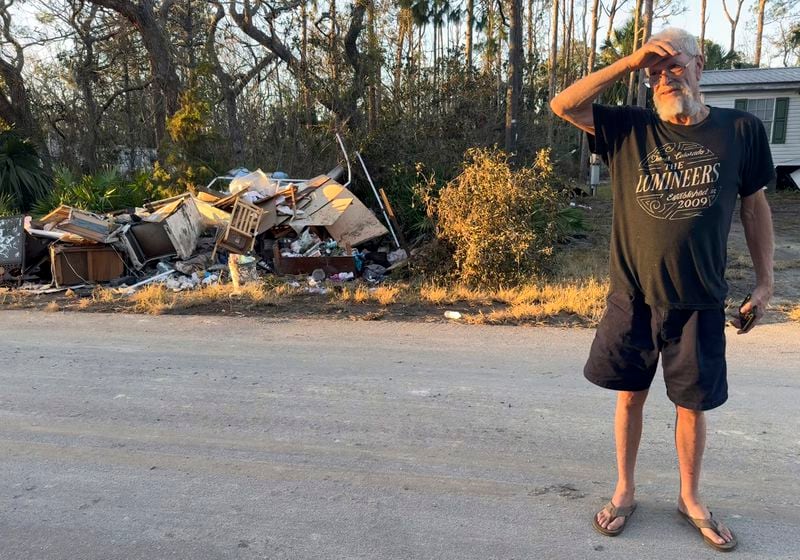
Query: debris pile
{"type": "Point", "coordinates": [262, 224]}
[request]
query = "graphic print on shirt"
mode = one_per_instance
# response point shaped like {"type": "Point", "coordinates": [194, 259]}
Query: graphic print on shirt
{"type": "Point", "coordinates": [678, 181]}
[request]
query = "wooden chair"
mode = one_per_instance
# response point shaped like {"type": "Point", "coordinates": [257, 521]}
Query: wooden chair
{"type": "Point", "coordinates": [240, 234]}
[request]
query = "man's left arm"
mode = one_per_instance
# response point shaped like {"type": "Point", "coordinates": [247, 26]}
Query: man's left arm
{"type": "Point", "coordinates": [757, 221]}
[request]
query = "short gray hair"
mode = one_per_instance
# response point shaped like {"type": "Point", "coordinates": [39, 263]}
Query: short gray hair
{"type": "Point", "coordinates": [680, 39]}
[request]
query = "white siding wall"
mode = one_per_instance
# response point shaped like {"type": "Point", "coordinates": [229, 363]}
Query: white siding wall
{"type": "Point", "coordinates": [782, 154]}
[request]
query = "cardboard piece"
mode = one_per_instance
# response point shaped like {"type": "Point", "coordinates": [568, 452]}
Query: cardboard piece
{"type": "Point", "coordinates": [357, 225]}
{"type": "Point", "coordinates": [211, 216]}
{"type": "Point", "coordinates": [269, 216]}
{"type": "Point", "coordinates": [325, 216]}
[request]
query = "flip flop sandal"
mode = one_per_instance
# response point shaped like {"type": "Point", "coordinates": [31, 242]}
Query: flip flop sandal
{"type": "Point", "coordinates": [614, 512]}
{"type": "Point", "coordinates": [712, 524]}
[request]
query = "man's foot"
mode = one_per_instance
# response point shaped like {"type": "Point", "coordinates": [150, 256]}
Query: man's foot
{"type": "Point", "coordinates": [714, 532]}
{"type": "Point", "coordinates": [612, 518]}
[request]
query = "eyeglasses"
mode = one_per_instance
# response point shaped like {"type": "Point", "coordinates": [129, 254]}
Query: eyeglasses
{"type": "Point", "coordinates": [676, 71]}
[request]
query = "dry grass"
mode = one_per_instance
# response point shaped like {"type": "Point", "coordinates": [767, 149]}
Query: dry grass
{"type": "Point", "coordinates": [431, 293]}
{"type": "Point", "coordinates": [794, 313]}
{"type": "Point", "coordinates": [154, 299]}
{"type": "Point", "coordinates": [537, 303]}
{"type": "Point", "coordinates": [442, 294]}
{"type": "Point", "coordinates": [353, 294]}
{"type": "Point", "coordinates": [386, 295]}
{"type": "Point", "coordinates": [52, 307]}
{"type": "Point", "coordinates": [103, 295]}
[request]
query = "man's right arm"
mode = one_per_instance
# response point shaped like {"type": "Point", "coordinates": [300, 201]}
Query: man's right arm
{"type": "Point", "coordinates": [574, 104]}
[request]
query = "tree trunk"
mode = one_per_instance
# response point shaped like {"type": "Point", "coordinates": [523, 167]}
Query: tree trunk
{"type": "Point", "coordinates": [468, 39]}
{"type": "Point", "coordinates": [190, 32]}
{"type": "Point", "coordinates": [612, 12]}
{"type": "Point", "coordinates": [157, 43]}
{"type": "Point", "coordinates": [129, 118]}
{"type": "Point", "coordinates": [584, 161]}
{"type": "Point", "coordinates": [637, 15]}
{"type": "Point", "coordinates": [373, 71]}
{"type": "Point", "coordinates": [703, 28]}
{"type": "Point", "coordinates": [435, 65]}
{"type": "Point", "coordinates": [332, 43]}
{"type": "Point", "coordinates": [15, 109]}
{"type": "Point", "coordinates": [498, 67]}
{"type": "Point", "coordinates": [641, 98]}
{"type": "Point", "coordinates": [529, 49]}
{"type": "Point", "coordinates": [734, 21]}
{"type": "Point", "coordinates": [488, 56]}
{"type": "Point", "coordinates": [551, 86]}
{"type": "Point", "coordinates": [514, 88]}
{"type": "Point", "coordinates": [568, 44]}
{"type": "Point", "coordinates": [341, 101]}
{"type": "Point", "coordinates": [304, 63]}
{"type": "Point", "coordinates": [404, 28]}
{"type": "Point", "coordinates": [760, 31]}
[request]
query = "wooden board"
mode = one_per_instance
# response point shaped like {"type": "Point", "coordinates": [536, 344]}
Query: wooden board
{"type": "Point", "coordinates": [357, 225]}
{"type": "Point", "coordinates": [184, 227]}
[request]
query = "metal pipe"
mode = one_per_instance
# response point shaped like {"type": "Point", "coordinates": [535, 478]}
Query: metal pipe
{"type": "Point", "coordinates": [380, 202]}
{"type": "Point", "coordinates": [346, 159]}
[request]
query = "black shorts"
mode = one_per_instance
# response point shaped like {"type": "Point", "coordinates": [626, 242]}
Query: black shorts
{"type": "Point", "coordinates": [632, 334]}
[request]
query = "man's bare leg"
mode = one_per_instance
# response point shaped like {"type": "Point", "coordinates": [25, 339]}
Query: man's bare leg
{"type": "Point", "coordinates": [627, 434]}
{"type": "Point", "coordinates": [690, 442]}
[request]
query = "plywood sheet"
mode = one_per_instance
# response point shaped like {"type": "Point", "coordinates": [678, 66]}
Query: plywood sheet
{"type": "Point", "coordinates": [184, 228]}
{"type": "Point", "coordinates": [357, 225]}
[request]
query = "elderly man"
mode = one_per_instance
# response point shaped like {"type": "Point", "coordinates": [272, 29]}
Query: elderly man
{"type": "Point", "coordinates": [676, 173]}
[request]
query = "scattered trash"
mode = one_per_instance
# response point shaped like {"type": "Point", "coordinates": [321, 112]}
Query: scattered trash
{"type": "Point", "coordinates": [455, 315]}
{"type": "Point", "coordinates": [342, 277]}
{"type": "Point", "coordinates": [374, 273]}
{"type": "Point", "coordinates": [272, 223]}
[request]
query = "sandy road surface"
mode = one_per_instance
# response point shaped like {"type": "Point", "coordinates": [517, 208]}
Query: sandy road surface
{"type": "Point", "coordinates": [189, 437]}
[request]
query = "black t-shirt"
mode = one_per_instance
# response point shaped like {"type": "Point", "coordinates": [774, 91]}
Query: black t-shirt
{"type": "Point", "coordinates": [675, 190]}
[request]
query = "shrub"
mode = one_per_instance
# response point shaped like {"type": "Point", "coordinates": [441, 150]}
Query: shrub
{"type": "Point", "coordinates": [8, 206]}
{"type": "Point", "coordinates": [22, 179]}
{"type": "Point", "coordinates": [502, 225]}
{"type": "Point", "coordinates": [100, 192]}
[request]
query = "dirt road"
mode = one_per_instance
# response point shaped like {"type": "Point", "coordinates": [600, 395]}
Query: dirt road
{"type": "Point", "coordinates": [189, 437]}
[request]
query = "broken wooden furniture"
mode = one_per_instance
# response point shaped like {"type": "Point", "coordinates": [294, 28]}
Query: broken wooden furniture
{"type": "Point", "coordinates": [84, 265]}
{"type": "Point", "coordinates": [240, 234]}
{"type": "Point", "coordinates": [172, 230]}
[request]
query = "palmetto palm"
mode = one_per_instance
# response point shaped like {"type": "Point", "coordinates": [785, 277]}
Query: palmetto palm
{"type": "Point", "coordinates": [22, 179]}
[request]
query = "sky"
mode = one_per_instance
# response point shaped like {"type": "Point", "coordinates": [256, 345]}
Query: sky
{"type": "Point", "coordinates": [717, 29]}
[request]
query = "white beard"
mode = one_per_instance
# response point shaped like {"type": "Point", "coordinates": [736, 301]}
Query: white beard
{"type": "Point", "coordinates": [683, 104]}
